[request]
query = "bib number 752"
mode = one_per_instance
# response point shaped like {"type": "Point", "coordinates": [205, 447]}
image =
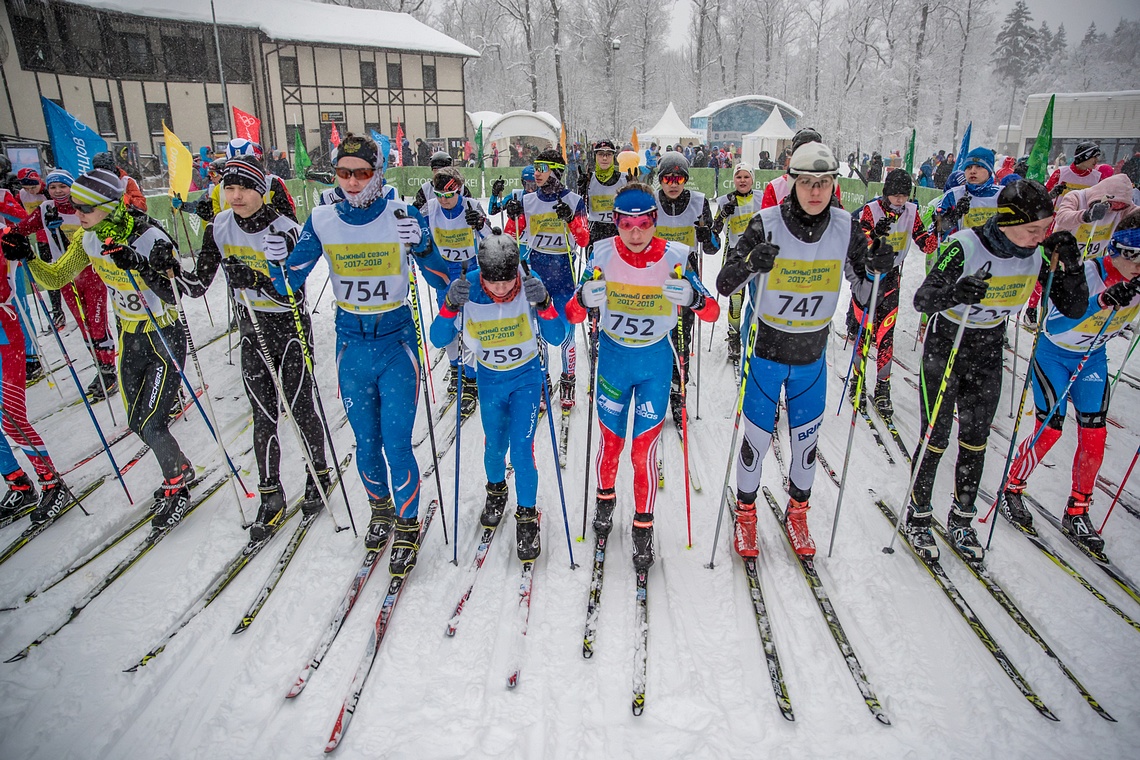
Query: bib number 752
{"type": "Point", "coordinates": [625, 325]}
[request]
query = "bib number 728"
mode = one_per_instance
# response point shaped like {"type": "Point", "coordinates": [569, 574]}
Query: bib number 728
{"type": "Point", "coordinates": [623, 324]}
{"type": "Point", "coordinates": [805, 306]}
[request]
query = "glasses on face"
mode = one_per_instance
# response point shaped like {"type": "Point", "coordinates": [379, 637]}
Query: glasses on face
{"type": "Point", "coordinates": [86, 208]}
{"type": "Point", "coordinates": [640, 222]}
{"type": "Point", "coordinates": [674, 179]}
{"type": "Point", "coordinates": [361, 174]}
{"type": "Point", "coordinates": [815, 183]}
{"type": "Point", "coordinates": [448, 194]}
{"type": "Point", "coordinates": [1128, 252]}
{"type": "Point", "coordinates": [543, 166]}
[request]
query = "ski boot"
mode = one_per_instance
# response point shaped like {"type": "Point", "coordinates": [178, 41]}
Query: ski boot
{"type": "Point", "coordinates": [962, 533]}
{"type": "Point", "coordinates": [676, 405]}
{"type": "Point", "coordinates": [566, 392]}
{"type": "Point", "coordinates": [495, 504]}
{"type": "Point", "coordinates": [380, 526]}
{"type": "Point", "coordinates": [33, 369]}
{"type": "Point", "coordinates": [1012, 506]}
{"type": "Point", "coordinates": [604, 512]}
{"type": "Point", "coordinates": [180, 403]}
{"type": "Point", "coordinates": [642, 541]}
{"type": "Point", "coordinates": [105, 378]}
{"type": "Point", "coordinates": [917, 531]}
{"type": "Point", "coordinates": [854, 395]}
{"type": "Point", "coordinates": [405, 546]}
{"type": "Point", "coordinates": [549, 394]}
{"type": "Point", "coordinates": [59, 319]}
{"type": "Point", "coordinates": [1029, 318]}
{"type": "Point", "coordinates": [1077, 524]}
{"type": "Point", "coordinates": [269, 515]}
{"type": "Point", "coordinates": [313, 503]}
{"type": "Point", "coordinates": [53, 499]}
{"type": "Point", "coordinates": [795, 522]}
{"type": "Point", "coordinates": [527, 539]}
{"type": "Point", "coordinates": [450, 381]}
{"type": "Point", "coordinates": [883, 403]}
{"type": "Point", "coordinates": [21, 494]}
{"type": "Point", "coordinates": [470, 398]}
{"type": "Point", "coordinates": [171, 502]}
{"type": "Point", "coordinates": [733, 340]}
{"type": "Point", "coordinates": [744, 535]}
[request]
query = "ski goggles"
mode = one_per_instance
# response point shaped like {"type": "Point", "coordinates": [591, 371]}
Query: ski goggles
{"type": "Point", "coordinates": [360, 174]}
{"type": "Point", "coordinates": [448, 194]}
{"type": "Point", "coordinates": [548, 166]}
{"type": "Point", "coordinates": [813, 182]}
{"type": "Point", "coordinates": [87, 208]}
{"type": "Point", "coordinates": [674, 179]}
{"type": "Point", "coordinates": [1126, 243]}
{"type": "Point", "coordinates": [640, 222]}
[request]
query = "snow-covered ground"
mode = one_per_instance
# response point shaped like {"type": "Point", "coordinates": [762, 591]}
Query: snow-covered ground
{"type": "Point", "coordinates": [212, 694]}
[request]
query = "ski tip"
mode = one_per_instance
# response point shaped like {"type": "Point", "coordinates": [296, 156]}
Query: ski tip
{"type": "Point", "coordinates": [882, 718]}
{"type": "Point", "coordinates": [21, 655]}
{"type": "Point", "coordinates": [243, 625]}
{"type": "Point", "coordinates": [638, 704]}
{"type": "Point", "coordinates": [513, 680]}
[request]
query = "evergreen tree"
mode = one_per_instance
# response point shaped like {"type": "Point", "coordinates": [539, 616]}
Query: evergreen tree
{"type": "Point", "coordinates": [1060, 45]}
{"type": "Point", "coordinates": [1017, 54]}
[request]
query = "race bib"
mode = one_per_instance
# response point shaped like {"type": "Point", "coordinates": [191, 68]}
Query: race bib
{"type": "Point", "coordinates": [503, 343]}
{"type": "Point", "coordinates": [454, 245]}
{"type": "Point", "coordinates": [685, 235]}
{"type": "Point", "coordinates": [547, 232]}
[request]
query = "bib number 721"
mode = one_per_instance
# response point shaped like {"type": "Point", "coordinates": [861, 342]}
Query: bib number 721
{"type": "Point", "coordinates": [805, 306]}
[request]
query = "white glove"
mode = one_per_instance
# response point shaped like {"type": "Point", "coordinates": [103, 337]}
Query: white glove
{"type": "Point", "coordinates": [592, 294]}
{"type": "Point", "coordinates": [276, 249]}
{"type": "Point", "coordinates": [409, 231]}
{"type": "Point", "coordinates": [679, 291]}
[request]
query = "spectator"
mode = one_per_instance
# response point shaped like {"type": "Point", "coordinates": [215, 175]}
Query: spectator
{"type": "Point", "coordinates": [279, 164]}
{"type": "Point", "coordinates": [942, 173]}
{"type": "Point", "coordinates": [423, 153]}
{"type": "Point", "coordinates": [875, 169]}
{"type": "Point", "coordinates": [494, 154]}
{"type": "Point", "coordinates": [765, 161]}
{"type": "Point", "coordinates": [409, 157]}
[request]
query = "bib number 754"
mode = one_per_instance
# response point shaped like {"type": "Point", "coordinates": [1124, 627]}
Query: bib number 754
{"type": "Point", "coordinates": [363, 292]}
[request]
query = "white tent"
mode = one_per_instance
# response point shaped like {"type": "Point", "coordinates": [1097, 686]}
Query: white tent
{"type": "Point", "coordinates": [767, 136]}
{"type": "Point", "coordinates": [539, 126]}
{"type": "Point", "coordinates": [669, 129]}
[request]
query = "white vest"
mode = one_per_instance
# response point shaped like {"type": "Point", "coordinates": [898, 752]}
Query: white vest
{"type": "Point", "coordinates": [1080, 336]}
{"type": "Point", "coordinates": [636, 312]}
{"type": "Point", "coordinates": [500, 335]}
{"type": "Point", "coordinates": [601, 198]}
{"type": "Point", "coordinates": [900, 232]}
{"type": "Point", "coordinates": [125, 300]}
{"type": "Point", "coordinates": [249, 249]}
{"type": "Point", "coordinates": [781, 186]}
{"type": "Point", "coordinates": [453, 237]}
{"type": "Point", "coordinates": [545, 232]}
{"type": "Point", "coordinates": [736, 224]}
{"type": "Point", "coordinates": [981, 208]}
{"type": "Point", "coordinates": [367, 264]}
{"type": "Point", "coordinates": [69, 228]}
{"type": "Point", "coordinates": [802, 289]}
{"type": "Point", "coordinates": [681, 228]}
{"type": "Point", "coordinates": [1010, 284]}
{"type": "Point", "coordinates": [1074, 181]}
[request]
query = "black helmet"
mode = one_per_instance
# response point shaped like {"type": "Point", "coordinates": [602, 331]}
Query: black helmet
{"type": "Point", "coordinates": [439, 159]}
{"type": "Point", "coordinates": [898, 182]}
{"type": "Point", "coordinates": [103, 160]}
{"type": "Point", "coordinates": [673, 163]}
{"type": "Point", "coordinates": [1085, 150]}
{"type": "Point", "coordinates": [1023, 202]}
{"type": "Point", "coordinates": [605, 145]}
{"type": "Point", "coordinates": [805, 135]}
{"type": "Point", "coordinates": [498, 257]}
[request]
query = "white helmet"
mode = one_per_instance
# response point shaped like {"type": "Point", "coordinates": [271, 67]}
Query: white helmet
{"type": "Point", "coordinates": [239, 146]}
{"type": "Point", "coordinates": [813, 158]}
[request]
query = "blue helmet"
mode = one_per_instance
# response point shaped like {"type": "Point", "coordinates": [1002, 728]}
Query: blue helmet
{"type": "Point", "coordinates": [528, 174]}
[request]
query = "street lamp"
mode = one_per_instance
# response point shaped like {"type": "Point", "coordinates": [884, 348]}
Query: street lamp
{"type": "Point", "coordinates": [615, 44]}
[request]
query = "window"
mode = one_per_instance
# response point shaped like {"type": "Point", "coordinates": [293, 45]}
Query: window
{"type": "Point", "coordinates": [156, 114]}
{"type": "Point", "coordinates": [105, 119]}
{"type": "Point", "coordinates": [432, 130]}
{"type": "Point", "coordinates": [395, 76]}
{"type": "Point", "coordinates": [216, 113]}
{"type": "Point", "coordinates": [136, 59]}
{"type": "Point", "coordinates": [182, 58]}
{"type": "Point", "coordinates": [32, 43]}
{"type": "Point", "coordinates": [429, 76]}
{"type": "Point", "coordinates": [395, 126]}
{"type": "Point", "coordinates": [291, 131]}
{"type": "Point", "coordinates": [367, 73]}
{"type": "Point", "coordinates": [289, 71]}
{"type": "Point", "coordinates": [235, 55]}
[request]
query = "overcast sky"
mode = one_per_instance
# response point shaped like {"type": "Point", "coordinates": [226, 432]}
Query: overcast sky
{"type": "Point", "coordinates": [1076, 16]}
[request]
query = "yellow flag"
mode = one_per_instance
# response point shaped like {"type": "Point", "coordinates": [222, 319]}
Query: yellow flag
{"type": "Point", "coordinates": [634, 140]}
{"type": "Point", "coordinates": [179, 163]}
{"type": "Point", "coordinates": [562, 143]}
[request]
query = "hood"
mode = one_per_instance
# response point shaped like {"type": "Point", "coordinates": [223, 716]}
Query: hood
{"type": "Point", "coordinates": [1117, 187]}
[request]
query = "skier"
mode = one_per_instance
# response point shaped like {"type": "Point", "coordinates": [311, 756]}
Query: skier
{"type": "Point", "coordinates": [550, 220]}
{"type": "Point", "coordinates": [892, 216]}
{"type": "Point", "coordinates": [457, 228]}
{"type": "Point", "coordinates": [804, 238]}
{"type": "Point", "coordinates": [439, 160]}
{"type": "Point", "coordinates": [86, 296]}
{"type": "Point", "coordinates": [495, 302]}
{"type": "Point", "coordinates": [1092, 214]}
{"type": "Point", "coordinates": [598, 187]}
{"type": "Point", "coordinates": [777, 190]}
{"type": "Point", "coordinates": [635, 281]}
{"type": "Point", "coordinates": [497, 202]}
{"type": "Point", "coordinates": [1114, 296]}
{"type": "Point", "coordinates": [363, 239]}
{"type": "Point", "coordinates": [33, 193]}
{"type": "Point", "coordinates": [971, 204]}
{"type": "Point", "coordinates": [213, 203]}
{"type": "Point", "coordinates": [118, 242]}
{"type": "Point", "coordinates": [1083, 172]}
{"type": "Point", "coordinates": [983, 275]}
{"type": "Point", "coordinates": [734, 211]}
{"type": "Point", "coordinates": [239, 239]}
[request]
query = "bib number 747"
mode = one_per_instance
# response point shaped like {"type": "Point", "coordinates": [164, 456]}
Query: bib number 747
{"type": "Point", "coordinates": [806, 306]}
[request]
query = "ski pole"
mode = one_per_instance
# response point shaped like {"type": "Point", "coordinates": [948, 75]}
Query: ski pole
{"type": "Point", "coordinates": [553, 435]}
{"type": "Point", "coordinates": [1120, 490]}
{"type": "Point", "coordinates": [277, 384]}
{"type": "Point", "coordinates": [700, 324]}
{"type": "Point", "coordinates": [597, 273]}
{"type": "Point", "coordinates": [678, 353]}
{"type": "Point", "coordinates": [868, 321]}
{"type": "Point", "coordinates": [746, 362]}
{"type": "Point", "coordinates": [855, 352]}
{"type": "Point", "coordinates": [459, 370]}
{"type": "Point", "coordinates": [1127, 356]}
{"type": "Point", "coordinates": [317, 303]}
{"type": "Point", "coordinates": [29, 328]}
{"type": "Point", "coordinates": [43, 454]}
{"type": "Point", "coordinates": [1016, 345]}
{"type": "Point", "coordinates": [190, 246]}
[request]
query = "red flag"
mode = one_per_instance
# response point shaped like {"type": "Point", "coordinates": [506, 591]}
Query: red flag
{"type": "Point", "coordinates": [334, 136]}
{"type": "Point", "coordinates": [399, 144]}
{"type": "Point", "coordinates": [247, 125]}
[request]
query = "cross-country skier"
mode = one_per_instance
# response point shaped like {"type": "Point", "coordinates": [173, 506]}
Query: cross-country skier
{"type": "Point", "coordinates": [734, 211]}
{"type": "Point", "coordinates": [798, 252]}
{"type": "Point", "coordinates": [239, 239]}
{"type": "Point", "coordinates": [495, 302]}
{"type": "Point", "coordinates": [1083, 172]}
{"type": "Point", "coordinates": [12, 212]}
{"type": "Point", "coordinates": [598, 187]}
{"type": "Point", "coordinates": [777, 190]}
{"type": "Point", "coordinates": [439, 160]}
{"type": "Point", "coordinates": [213, 203]}
{"type": "Point", "coordinates": [1114, 296]}
{"type": "Point", "coordinates": [1092, 214]}
{"type": "Point", "coordinates": [638, 282]}
{"type": "Point", "coordinates": [378, 364]}
{"type": "Point", "coordinates": [971, 204]}
{"type": "Point", "coordinates": [983, 275]}
{"type": "Point", "coordinates": [119, 243]}
{"type": "Point", "coordinates": [497, 202]}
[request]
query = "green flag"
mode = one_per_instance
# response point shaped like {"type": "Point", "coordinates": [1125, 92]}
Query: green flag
{"type": "Point", "coordinates": [479, 145]}
{"type": "Point", "coordinates": [909, 161]}
{"type": "Point", "coordinates": [301, 162]}
{"type": "Point", "coordinates": [1039, 156]}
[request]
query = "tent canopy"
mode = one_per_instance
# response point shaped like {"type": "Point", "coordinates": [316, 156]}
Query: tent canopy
{"type": "Point", "coordinates": [767, 137]}
{"type": "Point", "coordinates": [524, 124]}
{"type": "Point", "coordinates": [669, 129]}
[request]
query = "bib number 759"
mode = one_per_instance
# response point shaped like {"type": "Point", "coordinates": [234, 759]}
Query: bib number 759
{"type": "Point", "coordinates": [500, 356]}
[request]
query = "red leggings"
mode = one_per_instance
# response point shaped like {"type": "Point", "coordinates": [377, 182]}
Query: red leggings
{"type": "Point", "coordinates": [15, 415]}
{"type": "Point", "coordinates": [92, 317]}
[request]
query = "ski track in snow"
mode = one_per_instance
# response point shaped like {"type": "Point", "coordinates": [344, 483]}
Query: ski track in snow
{"type": "Point", "coordinates": [215, 694]}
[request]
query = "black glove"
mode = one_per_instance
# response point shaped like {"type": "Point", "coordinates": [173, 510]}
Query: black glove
{"type": "Point", "coordinates": [1119, 295]}
{"type": "Point", "coordinates": [498, 186]}
{"type": "Point", "coordinates": [514, 208]}
{"type": "Point", "coordinates": [1058, 190]}
{"type": "Point", "coordinates": [205, 208]}
{"type": "Point", "coordinates": [1064, 244]}
{"type": "Point", "coordinates": [563, 211]}
{"type": "Point", "coordinates": [123, 255]}
{"type": "Point", "coordinates": [704, 233]}
{"type": "Point", "coordinates": [728, 208]}
{"type": "Point", "coordinates": [240, 275]}
{"type": "Point", "coordinates": [474, 219]}
{"type": "Point", "coordinates": [16, 246]}
{"type": "Point", "coordinates": [883, 226]}
{"type": "Point", "coordinates": [880, 257]}
{"type": "Point", "coordinates": [163, 258]}
{"type": "Point", "coordinates": [53, 221]}
{"type": "Point", "coordinates": [762, 258]}
{"type": "Point", "coordinates": [1095, 212]}
{"type": "Point", "coordinates": [962, 207]}
{"type": "Point", "coordinates": [971, 289]}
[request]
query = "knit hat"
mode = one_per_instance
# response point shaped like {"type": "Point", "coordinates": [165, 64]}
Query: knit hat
{"type": "Point", "coordinates": [554, 159]}
{"type": "Point", "coordinates": [28, 176]}
{"type": "Point", "coordinates": [358, 146]}
{"type": "Point", "coordinates": [983, 157]}
{"type": "Point", "coordinates": [813, 158]}
{"type": "Point", "coordinates": [741, 166]}
{"type": "Point", "coordinates": [98, 187]}
{"type": "Point", "coordinates": [447, 179]}
{"type": "Point", "coordinates": [498, 257]}
{"type": "Point", "coordinates": [898, 182]}
{"type": "Point", "coordinates": [634, 199]}
{"type": "Point", "coordinates": [1085, 151]}
{"type": "Point", "coordinates": [244, 171]}
{"type": "Point", "coordinates": [103, 160]}
{"type": "Point", "coordinates": [62, 176]}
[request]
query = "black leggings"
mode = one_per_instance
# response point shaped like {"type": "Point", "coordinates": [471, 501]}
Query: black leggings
{"type": "Point", "coordinates": [149, 381]}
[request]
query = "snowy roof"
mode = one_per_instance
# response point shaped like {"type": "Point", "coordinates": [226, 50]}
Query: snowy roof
{"type": "Point", "coordinates": [1112, 94]}
{"type": "Point", "coordinates": [717, 105]}
{"type": "Point", "coordinates": [487, 118]}
{"type": "Point", "coordinates": [301, 21]}
{"type": "Point", "coordinates": [670, 126]}
{"type": "Point", "coordinates": [524, 124]}
{"type": "Point", "coordinates": [773, 126]}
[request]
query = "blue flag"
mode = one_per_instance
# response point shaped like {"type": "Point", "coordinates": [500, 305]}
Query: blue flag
{"type": "Point", "coordinates": [73, 142]}
{"type": "Point", "coordinates": [385, 146]}
{"type": "Point", "coordinates": [960, 159]}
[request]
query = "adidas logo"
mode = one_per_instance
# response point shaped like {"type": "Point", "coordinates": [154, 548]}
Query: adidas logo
{"type": "Point", "coordinates": [1093, 377]}
{"type": "Point", "coordinates": [646, 410]}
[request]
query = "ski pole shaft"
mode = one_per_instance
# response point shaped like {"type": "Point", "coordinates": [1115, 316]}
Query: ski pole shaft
{"type": "Point", "coordinates": [1120, 490]}
{"type": "Point", "coordinates": [1123, 364]}
{"type": "Point", "coordinates": [590, 411]}
{"type": "Point", "coordinates": [682, 372]}
{"type": "Point", "coordinates": [30, 330]}
{"type": "Point", "coordinates": [1016, 345]}
{"type": "Point", "coordinates": [459, 371]}
{"type": "Point", "coordinates": [190, 246]}
{"type": "Point", "coordinates": [317, 303]}
{"type": "Point", "coordinates": [89, 343]}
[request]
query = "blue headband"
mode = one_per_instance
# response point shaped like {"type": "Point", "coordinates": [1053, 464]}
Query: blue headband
{"type": "Point", "coordinates": [634, 202]}
{"type": "Point", "coordinates": [60, 176]}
